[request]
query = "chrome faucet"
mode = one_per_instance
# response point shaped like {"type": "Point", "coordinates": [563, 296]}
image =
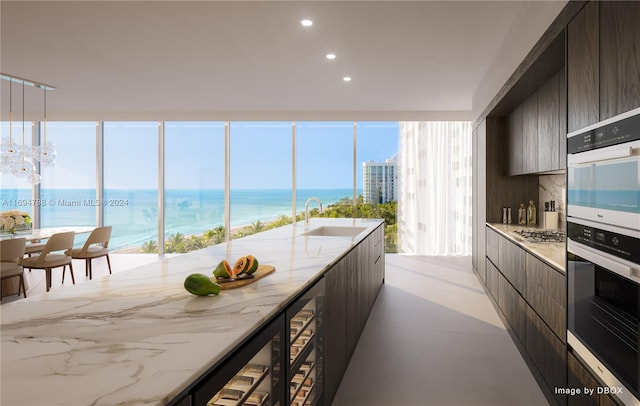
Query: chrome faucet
{"type": "Point", "coordinates": [306, 208]}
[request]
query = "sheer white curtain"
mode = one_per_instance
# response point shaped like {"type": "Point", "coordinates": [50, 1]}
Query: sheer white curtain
{"type": "Point", "coordinates": [434, 188]}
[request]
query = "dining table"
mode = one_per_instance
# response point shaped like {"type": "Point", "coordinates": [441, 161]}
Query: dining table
{"type": "Point", "coordinates": [36, 235]}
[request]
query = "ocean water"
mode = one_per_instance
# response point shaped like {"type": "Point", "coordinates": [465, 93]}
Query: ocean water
{"type": "Point", "coordinates": [619, 200]}
{"type": "Point", "coordinates": [133, 213]}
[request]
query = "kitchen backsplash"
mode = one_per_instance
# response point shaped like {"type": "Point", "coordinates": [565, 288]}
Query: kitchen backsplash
{"type": "Point", "coordinates": [552, 187]}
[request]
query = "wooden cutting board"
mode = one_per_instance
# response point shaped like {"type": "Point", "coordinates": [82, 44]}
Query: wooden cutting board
{"type": "Point", "coordinates": [261, 272]}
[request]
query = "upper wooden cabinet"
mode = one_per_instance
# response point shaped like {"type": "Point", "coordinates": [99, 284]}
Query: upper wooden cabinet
{"type": "Point", "coordinates": [537, 130]}
{"type": "Point", "coordinates": [603, 62]}
{"type": "Point", "coordinates": [550, 131]}
{"type": "Point", "coordinates": [583, 70]}
{"type": "Point", "coordinates": [619, 57]}
{"type": "Point", "coordinates": [514, 122]}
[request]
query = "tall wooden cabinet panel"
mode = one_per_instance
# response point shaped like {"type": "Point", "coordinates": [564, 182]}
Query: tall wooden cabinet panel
{"type": "Point", "coordinates": [514, 122]}
{"type": "Point", "coordinates": [513, 307]}
{"type": "Point", "coordinates": [353, 308]}
{"type": "Point", "coordinates": [549, 124]}
{"type": "Point", "coordinates": [547, 352]}
{"type": "Point", "coordinates": [512, 263]}
{"type": "Point", "coordinates": [493, 281]}
{"type": "Point", "coordinates": [583, 69]}
{"type": "Point", "coordinates": [530, 134]}
{"type": "Point", "coordinates": [546, 294]}
{"type": "Point", "coordinates": [493, 246]}
{"type": "Point", "coordinates": [380, 259]}
{"type": "Point", "coordinates": [562, 111]}
{"type": "Point", "coordinates": [579, 377]}
{"type": "Point", "coordinates": [335, 339]}
{"type": "Point", "coordinates": [619, 57]}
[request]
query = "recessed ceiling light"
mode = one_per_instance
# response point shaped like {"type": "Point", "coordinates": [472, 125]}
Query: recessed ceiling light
{"type": "Point", "coordinates": [347, 78]}
{"type": "Point", "coordinates": [331, 56]}
{"type": "Point", "coordinates": [306, 23]}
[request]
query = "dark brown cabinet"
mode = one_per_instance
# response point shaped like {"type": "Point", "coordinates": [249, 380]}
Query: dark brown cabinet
{"type": "Point", "coordinates": [514, 123]}
{"type": "Point", "coordinates": [493, 246]}
{"type": "Point", "coordinates": [583, 69]}
{"type": "Point", "coordinates": [513, 307]}
{"type": "Point", "coordinates": [603, 62]}
{"type": "Point", "coordinates": [493, 281]}
{"type": "Point", "coordinates": [619, 57]}
{"type": "Point", "coordinates": [531, 296]}
{"type": "Point", "coordinates": [546, 294]}
{"type": "Point", "coordinates": [579, 377]}
{"type": "Point", "coordinates": [547, 352]}
{"type": "Point", "coordinates": [353, 308]}
{"type": "Point", "coordinates": [550, 133]}
{"type": "Point", "coordinates": [335, 327]}
{"type": "Point", "coordinates": [352, 285]}
{"type": "Point", "coordinates": [512, 264]}
{"type": "Point", "coordinates": [530, 134]}
{"type": "Point", "coordinates": [537, 130]}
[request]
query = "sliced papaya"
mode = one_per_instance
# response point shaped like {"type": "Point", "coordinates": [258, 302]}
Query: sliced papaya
{"type": "Point", "coordinates": [223, 270]}
{"type": "Point", "coordinates": [253, 264]}
{"type": "Point", "coordinates": [241, 265]}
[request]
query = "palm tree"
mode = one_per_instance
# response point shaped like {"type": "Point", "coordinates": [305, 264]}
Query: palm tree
{"type": "Point", "coordinates": [256, 227]}
{"type": "Point", "coordinates": [175, 243]}
{"type": "Point", "coordinates": [214, 235]}
{"type": "Point", "coordinates": [194, 243]}
{"type": "Point", "coordinates": [149, 247]}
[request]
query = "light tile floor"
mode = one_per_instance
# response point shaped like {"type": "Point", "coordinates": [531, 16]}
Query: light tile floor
{"type": "Point", "coordinates": [433, 338]}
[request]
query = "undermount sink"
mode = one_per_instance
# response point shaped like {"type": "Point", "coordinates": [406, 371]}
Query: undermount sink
{"type": "Point", "coordinates": [335, 231]}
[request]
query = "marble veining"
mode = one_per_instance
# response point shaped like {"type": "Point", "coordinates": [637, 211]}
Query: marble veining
{"type": "Point", "coordinates": [552, 187]}
{"type": "Point", "coordinates": [553, 253]}
{"type": "Point", "coordinates": [137, 337]}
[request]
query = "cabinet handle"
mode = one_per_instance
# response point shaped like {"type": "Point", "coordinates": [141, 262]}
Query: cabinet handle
{"type": "Point", "coordinates": [597, 258]}
{"type": "Point", "coordinates": [599, 155]}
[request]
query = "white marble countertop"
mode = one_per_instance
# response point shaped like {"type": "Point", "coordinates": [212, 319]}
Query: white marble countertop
{"type": "Point", "coordinates": [553, 253]}
{"type": "Point", "coordinates": [138, 337]}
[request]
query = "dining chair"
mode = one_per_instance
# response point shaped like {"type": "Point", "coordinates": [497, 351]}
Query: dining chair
{"type": "Point", "coordinates": [97, 246]}
{"type": "Point", "coordinates": [33, 248]}
{"type": "Point", "coordinates": [49, 257]}
{"type": "Point", "coordinates": [11, 252]}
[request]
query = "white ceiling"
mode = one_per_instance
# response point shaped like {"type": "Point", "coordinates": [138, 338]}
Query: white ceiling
{"type": "Point", "coordinates": [253, 60]}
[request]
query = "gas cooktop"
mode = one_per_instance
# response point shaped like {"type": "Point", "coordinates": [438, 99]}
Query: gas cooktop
{"type": "Point", "coordinates": [541, 235]}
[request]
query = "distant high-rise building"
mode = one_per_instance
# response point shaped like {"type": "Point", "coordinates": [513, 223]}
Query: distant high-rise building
{"type": "Point", "coordinates": [380, 181]}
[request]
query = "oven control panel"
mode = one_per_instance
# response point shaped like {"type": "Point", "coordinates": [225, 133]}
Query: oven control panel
{"type": "Point", "coordinates": [620, 245]}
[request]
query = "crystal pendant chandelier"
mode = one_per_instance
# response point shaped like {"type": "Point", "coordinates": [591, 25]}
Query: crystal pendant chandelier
{"type": "Point", "coordinates": [18, 159]}
{"type": "Point", "coordinates": [45, 153]}
{"type": "Point", "coordinates": [23, 167]}
{"type": "Point", "coordinates": [10, 151]}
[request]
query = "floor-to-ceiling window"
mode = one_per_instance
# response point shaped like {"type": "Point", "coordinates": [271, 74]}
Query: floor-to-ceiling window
{"type": "Point", "coordinates": [260, 174]}
{"type": "Point", "coordinates": [69, 187]}
{"type": "Point", "coordinates": [15, 192]}
{"type": "Point", "coordinates": [377, 174]}
{"type": "Point", "coordinates": [194, 186]}
{"type": "Point", "coordinates": [261, 170]}
{"type": "Point", "coordinates": [131, 183]}
{"type": "Point", "coordinates": [325, 166]}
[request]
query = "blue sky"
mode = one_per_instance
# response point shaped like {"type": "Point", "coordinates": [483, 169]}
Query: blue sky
{"type": "Point", "coordinates": [194, 154]}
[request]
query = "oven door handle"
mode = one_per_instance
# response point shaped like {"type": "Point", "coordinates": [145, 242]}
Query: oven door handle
{"type": "Point", "coordinates": [597, 258]}
{"type": "Point", "coordinates": [599, 155]}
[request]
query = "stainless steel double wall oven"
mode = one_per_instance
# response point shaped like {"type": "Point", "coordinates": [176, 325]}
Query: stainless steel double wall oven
{"type": "Point", "coordinates": [603, 250]}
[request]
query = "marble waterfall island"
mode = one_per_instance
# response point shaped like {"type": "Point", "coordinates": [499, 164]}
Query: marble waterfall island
{"type": "Point", "coordinates": [137, 337]}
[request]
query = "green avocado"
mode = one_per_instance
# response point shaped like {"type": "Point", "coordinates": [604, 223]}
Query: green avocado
{"type": "Point", "coordinates": [201, 285]}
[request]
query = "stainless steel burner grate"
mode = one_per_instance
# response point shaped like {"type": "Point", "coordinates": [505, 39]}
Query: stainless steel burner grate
{"type": "Point", "coordinates": [541, 235]}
